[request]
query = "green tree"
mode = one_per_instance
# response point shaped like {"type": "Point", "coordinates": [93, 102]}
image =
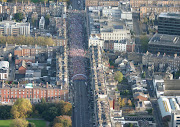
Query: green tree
{"type": "Point", "coordinates": [19, 123]}
{"type": "Point", "coordinates": [64, 120]}
{"type": "Point", "coordinates": [5, 112]}
{"type": "Point", "coordinates": [120, 102]}
{"type": "Point", "coordinates": [18, 17]}
{"type": "Point", "coordinates": [47, 17]}
{"type": "Point", "coordinates": [50, 114]}
{"type": "Point", "coordinates": [21, 108]}
{"type": "Point", "coordinates": [31, 124]}
{"type": "Point", "coordinates": [118, 76]}
{"type": "Point", "coordinates": [144, 43]}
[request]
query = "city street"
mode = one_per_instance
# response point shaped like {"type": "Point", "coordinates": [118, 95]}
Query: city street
{"type": "Point", "coordinates": [156, 110]}
{"type": "Point", "coordinates": [80, 110]}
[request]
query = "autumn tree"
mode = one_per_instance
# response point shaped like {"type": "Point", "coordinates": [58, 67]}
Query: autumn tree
{"type": "Point", "coordinates": [21, 108]}
{"type": "Point", "coordinates": [63, 120]}
{"type": "Point", "coordinates": [123, 102]}
{"type": "Point", "coordinates": [19, 123]}
{"type": "Point", "coordinates": [118, 76]}
{"type": "Point", "coordinates": [129, 102]}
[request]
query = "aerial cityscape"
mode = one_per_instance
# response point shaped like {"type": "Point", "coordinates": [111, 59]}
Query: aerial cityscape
{"type": "Point", "coordinates": [90, 63]}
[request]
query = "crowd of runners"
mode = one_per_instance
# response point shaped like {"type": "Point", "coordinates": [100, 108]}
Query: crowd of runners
{"type": "Point", "coordinates": [76, 46]}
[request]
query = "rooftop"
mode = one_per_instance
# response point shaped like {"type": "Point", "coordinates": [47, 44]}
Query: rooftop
{"type": "Point", "coordinates": [164, 39]}
{"type": "Point", "coordinates": [170, 15]}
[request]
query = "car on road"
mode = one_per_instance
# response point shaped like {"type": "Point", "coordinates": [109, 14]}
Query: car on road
{"type": "Point", "coordinates": [79, 2]}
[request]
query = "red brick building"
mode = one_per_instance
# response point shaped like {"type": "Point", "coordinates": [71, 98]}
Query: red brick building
{"type": "Point", "coordinates": [24, 51]}
{"type": "Point", "coordinates": [22, 67]}
{"type": "Point", "coordinates": [19, 59]}
{"type": "Point", "coordinates": [34, 94]}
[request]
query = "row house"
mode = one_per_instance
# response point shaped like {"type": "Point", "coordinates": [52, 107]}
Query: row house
{"type": "Point", "coordinates": [33, 93]}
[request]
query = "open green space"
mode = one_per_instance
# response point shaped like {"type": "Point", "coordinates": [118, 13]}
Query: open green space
{"type": "Point", "coordinates": [38, 123]}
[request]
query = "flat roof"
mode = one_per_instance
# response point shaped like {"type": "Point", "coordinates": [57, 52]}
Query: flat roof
{"type": "Point", "coordinates": [170, 15]}
{"type": "Point", "coordinates": [164, 39]}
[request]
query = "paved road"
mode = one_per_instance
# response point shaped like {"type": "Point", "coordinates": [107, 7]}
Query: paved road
{"type": "Point", "coordinates": [80, 111]}
{"type": "Point", "coordinates": [156, 110]}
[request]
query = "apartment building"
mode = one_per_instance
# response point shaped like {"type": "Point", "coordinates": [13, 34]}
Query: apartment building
{"type": "Point", "coordinates": [102, 3]}
{"type": "Point", "coordinates": [117, 33]}
{"type": "Point", "coordinates": [14, 28]}
{"type": "Point", "coordinates": [96, 41]}
{"type": "Point", "coordinates": [33, 92]}
{"type": "Point", "coordinates": [139, 3]}
{"type": "Point", "coordinates": [147, 10]}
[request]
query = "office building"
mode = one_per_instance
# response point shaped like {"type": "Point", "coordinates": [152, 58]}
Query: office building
{"type": "Point", "coordinates": [169, 23]}
{"type": "Point", "coordinates": [163, 43]}
{"type": "Point", "coordinates": [12, 28]}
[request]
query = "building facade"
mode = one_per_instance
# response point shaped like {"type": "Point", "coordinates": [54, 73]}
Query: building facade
{"type": "Point", "coordinates": [115, 34]}
{"type": "Point", "coordinates": [14, 29]}
{"type": "Point", "coordinates": [169, 23]}
{"type": "Point", "coordinates": [34, 94]}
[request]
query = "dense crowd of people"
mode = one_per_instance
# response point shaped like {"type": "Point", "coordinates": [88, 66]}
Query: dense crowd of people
{"type": "Point", "coordinates": [76, 46]}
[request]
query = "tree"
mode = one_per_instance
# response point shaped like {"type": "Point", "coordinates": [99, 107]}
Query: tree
{"type": "Point", "coordinates": [50, 114]}
{"type": "Point", "coordinates": [64, 120]}
{"type": "Point", "coordinates": [5, 112]}
{"type": "Point", "coordinates": [120, 102]}
{"type": "Point", "coordinates": [47, 17]}
{"type": "Point", "coordinates": [129, 102]}
{"type": "Point", "coordinates": [58, 125]}
{"type": "Point", "coordinates": [118, 76]}
{"type": "Point", "coordinates": [123, 102]}
{"type": "Point", "coordinates": [43, 100]}
{"type": "Point", "coordinates": [31, 124]}
{"type": "Point", "coordinates": [21, 108]}
{"type": "Point", "coordinates": [18, 17]}
{"type": "Point", "coordinates": [144, 43]}
{"type": "Point", "coordinates": [19, 123]}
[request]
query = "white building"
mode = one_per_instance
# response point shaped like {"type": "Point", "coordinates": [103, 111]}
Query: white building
{"type": "Point", "coordinates": [175, 119]}
{"type": "Point", "coordinates": [158, 84]}
{"type": "Point", "coordinates": [41, 23]}
{"type": "Point", "coordinates": [117, 33]}
{"type": "Point", "coordinates": [14, 28]}
{"type": "Point", "coordinates": [126, 15]}
{"type": "Point", "coordinates": [120, 46]}
{"type": "Point", "coordinates": [96, 41]}
{"type": "Point", "coordinates": [167, 104]}
{"type": "Point", "coordinates": [4, 70]}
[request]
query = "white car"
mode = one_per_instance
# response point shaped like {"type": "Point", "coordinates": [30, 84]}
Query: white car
{"type": "Point", "coordinates": [78, 2]}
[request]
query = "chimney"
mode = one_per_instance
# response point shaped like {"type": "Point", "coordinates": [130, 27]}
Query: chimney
{"type": "Point", "coordinates": [47, 85]}
{"type": "Point", "coordinates": [18, 85]}
{"type": "Point", "coordinates": [175, 55]}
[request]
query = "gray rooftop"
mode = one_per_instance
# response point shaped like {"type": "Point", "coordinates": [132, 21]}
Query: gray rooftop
{"type": "Point", "coordinates": [170, 15]}
{"type": "Point", "coordinates": [164, 39]}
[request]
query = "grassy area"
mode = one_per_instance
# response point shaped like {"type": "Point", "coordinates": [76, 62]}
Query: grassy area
{"type": "Point", "coordinates": [38, 123]}
{"type": "Point", "coordinates": [5, 123]}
